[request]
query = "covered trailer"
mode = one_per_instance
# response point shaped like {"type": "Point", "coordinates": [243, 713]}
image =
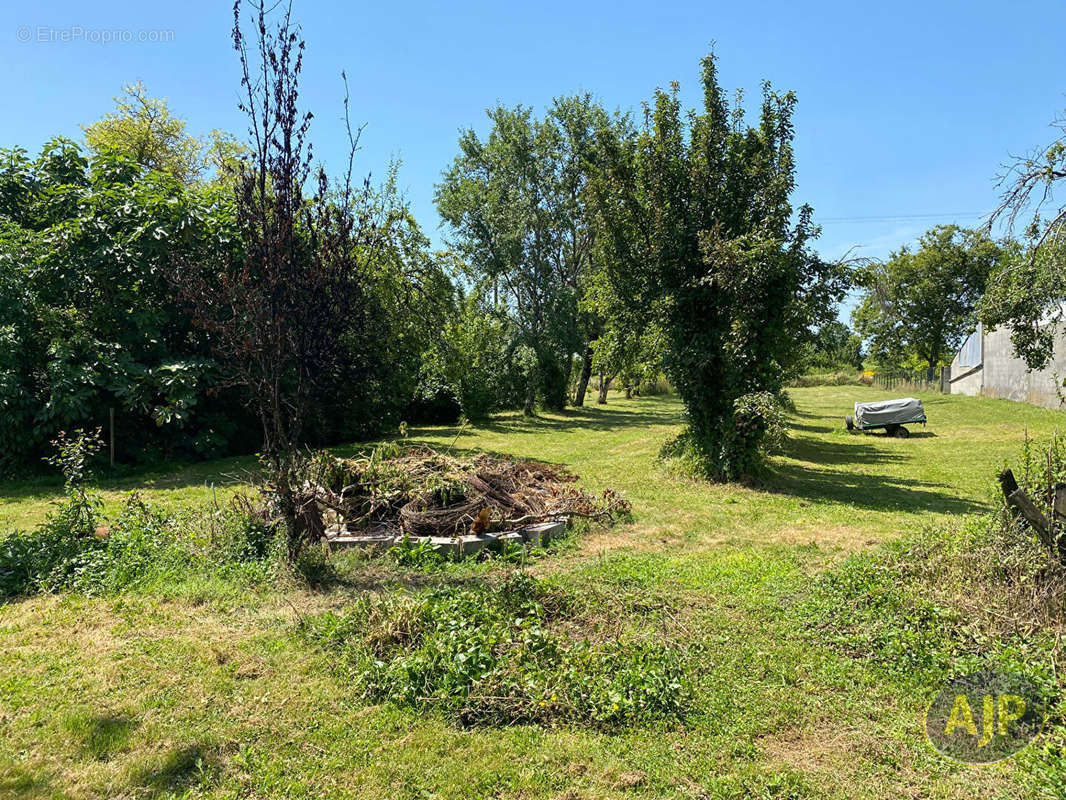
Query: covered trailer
{"type": "Point", "coordinates": [891, 415]}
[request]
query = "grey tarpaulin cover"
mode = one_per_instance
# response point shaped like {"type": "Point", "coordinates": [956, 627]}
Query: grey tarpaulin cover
{"type": "Point", "coordinates": [889, 412]}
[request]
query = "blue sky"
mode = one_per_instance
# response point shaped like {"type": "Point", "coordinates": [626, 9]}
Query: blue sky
{"type": "Point", "coordinates": [906, 110]}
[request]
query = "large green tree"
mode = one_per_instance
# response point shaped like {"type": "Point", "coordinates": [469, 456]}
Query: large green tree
{"type": "Point", "coordinates": [516, 204]}
{"type": "Point", "coordinates": [144, 129]}
{"type": "Point", "coordinates": [696, 229]}
{"type": "Point", "coordinates": [917, 307]}
{"type": "Point", "coordinates": [88, 321]}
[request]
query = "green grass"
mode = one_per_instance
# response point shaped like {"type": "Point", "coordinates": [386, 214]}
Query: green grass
{"type": "Point", "coordinates": [210, 688]}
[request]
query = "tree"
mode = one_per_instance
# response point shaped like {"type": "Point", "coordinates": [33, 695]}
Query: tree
{"type": "Point", "coordinates": [628, 344]}
{"type": "Point", "coordinates": [88, 321]}
{"type": "Point", "coordinates": [143, 128]}
{"type": "Point", "coordinates": [473, 360]}
{"type": "Point", "coordinates": [580, 121]}
{"type": "Point", "coordinates": [835, 346]}
{"type": "Point", "coordinates": [293, 299]}
{"type": "Point", "coordinates": [1028, 294]}
{"type": "Point", "coordinates": [918, 306]}
{"type": "Point", "coordinates": [515, 202]}
{"type": "Point", "coordinates": [696, 228]}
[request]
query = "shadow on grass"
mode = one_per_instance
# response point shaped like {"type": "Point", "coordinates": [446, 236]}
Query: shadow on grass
{"type": "Point", "coordinates": [176, 772]}
{"type": "Point", "coordinates": [22, 783]}
{"type": "Point", "coordinates": [873, 492]}
{"type": "Point", "coordinates": [620, 413]}
{"type": "Point", "coordinates": [221, 472]}
{"type": "Point", "coordinates": [876, 492]}
{"type": "Point", "coordinates": [102, 735]}
{"type": "Point", "coordinates": [848, 450]}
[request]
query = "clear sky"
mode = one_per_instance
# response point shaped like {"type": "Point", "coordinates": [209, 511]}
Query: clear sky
{"type": "Point", "coordinates": [906, 109]}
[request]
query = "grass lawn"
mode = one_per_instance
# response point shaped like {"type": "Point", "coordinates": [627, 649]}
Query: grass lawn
{"type": "Point", "coordinates": [205, 689]}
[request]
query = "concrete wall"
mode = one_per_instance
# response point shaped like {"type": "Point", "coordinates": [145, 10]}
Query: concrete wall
{"type": "Point", "coordinates": [965, 380]}
{"type": "Point", "coordinates": [1002, 375]}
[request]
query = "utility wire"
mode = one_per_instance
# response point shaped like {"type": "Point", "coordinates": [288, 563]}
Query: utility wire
{"type": "Point", "coordinates": [902, 217]}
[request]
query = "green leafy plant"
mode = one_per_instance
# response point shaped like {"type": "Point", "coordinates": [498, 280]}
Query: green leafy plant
{"type": "Point", "coordinates": [497, 655]}
{"type": "Point", "coordinates": [78, 511]}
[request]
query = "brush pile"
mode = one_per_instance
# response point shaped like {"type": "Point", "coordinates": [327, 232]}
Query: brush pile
{"type": "Point", "coordinates": [417, 491]}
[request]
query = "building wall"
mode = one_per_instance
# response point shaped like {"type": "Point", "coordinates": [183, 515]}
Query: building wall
{"type": "Point", "coordinates": [967, 383]}
{"type": "Point", "coordinates": [1001, 374]}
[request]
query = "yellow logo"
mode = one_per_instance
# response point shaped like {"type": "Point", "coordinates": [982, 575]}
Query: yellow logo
{"type": "Point", "coordinates": [985, 717]}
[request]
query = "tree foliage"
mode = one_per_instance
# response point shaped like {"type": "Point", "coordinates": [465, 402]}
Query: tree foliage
{"type": "Point", "coordinates": [917, 307]}
{"type": "Point", "coordinates": [1028, 294]}
{"type": "Point", "coordinates": [697, 229]}
{"type": "Point", "coordinates": [835, 347]}
{"type": "Point", "coordinates": [88, 320]}
{"type": "Point", "coordinates": [144, 129]}
{"type": "Point", "coordinates": [516, 205]}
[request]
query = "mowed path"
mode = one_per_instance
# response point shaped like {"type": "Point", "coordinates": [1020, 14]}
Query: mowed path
{"type": "Point", "coordinates": [203, 690]}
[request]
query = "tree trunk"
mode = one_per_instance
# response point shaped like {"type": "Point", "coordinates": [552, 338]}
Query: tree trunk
{"type": "Point", "coordinates": [531, 396]}
{"type": "Point", "coordinates": [586, 375]}
{"type": "Point", "coordinates": [605, 384]}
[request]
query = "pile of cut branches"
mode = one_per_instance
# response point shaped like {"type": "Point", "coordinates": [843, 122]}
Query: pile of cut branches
{"type": "Point", "coordinates": [418, 491]}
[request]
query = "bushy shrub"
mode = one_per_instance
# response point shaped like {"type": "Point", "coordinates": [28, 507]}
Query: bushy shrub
{"type": "Point", "coordinates": [77, 549]}
{"type": "Point", "coordinates": [496, 655]}
{"type": "Point", "coordinates": [757, 428]}
{"type": "Point", "coordinates": [474, 362]}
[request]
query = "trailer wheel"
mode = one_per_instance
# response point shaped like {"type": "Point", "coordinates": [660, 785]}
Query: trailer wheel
{"type": "Point", "coordinates": [849, 423]}
{"type": "Point", "coordinates": [902, 432]}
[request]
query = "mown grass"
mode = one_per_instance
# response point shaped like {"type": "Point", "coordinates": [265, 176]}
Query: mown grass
{"type": "Point", "coordinates": [213, 688]}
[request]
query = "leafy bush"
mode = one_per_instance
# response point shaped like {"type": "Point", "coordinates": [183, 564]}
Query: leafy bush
{"type": "Point", "coordinates": [474, 360]}
{"type": "Point", "coordinates": [760, 424]}
{"type": "Point", "coordinates": [758, 427]}
{"type": "Point", "coordinates": [492, 655]}
{"type": "Point", "coordinates": [76, 549]}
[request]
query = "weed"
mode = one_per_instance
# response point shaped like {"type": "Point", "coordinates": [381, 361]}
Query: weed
{"type": "Point", "coordinates": [495, 655]}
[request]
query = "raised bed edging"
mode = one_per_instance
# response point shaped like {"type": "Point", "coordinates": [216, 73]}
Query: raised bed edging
{"type": "Point", "coordinates": [537, 535]}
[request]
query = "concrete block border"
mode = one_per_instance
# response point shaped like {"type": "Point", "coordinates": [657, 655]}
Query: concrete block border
{"type": "Point", "coordinates": [537, 535]}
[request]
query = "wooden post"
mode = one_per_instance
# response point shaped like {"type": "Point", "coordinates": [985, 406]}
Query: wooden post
{"type": "Point", "coordinates": [1008, 483]}
{"type": "Point", "coordinates": [111, 426]}
{"type": "Point", "coordinates": [1059, 503]}
{"type": "Point", "coordinates": [1027, 508]}
{"type": "Point", "coordinates": [1034, 515]}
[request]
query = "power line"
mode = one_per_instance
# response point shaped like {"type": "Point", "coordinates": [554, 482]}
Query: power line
{"type": "Point", "coordinates": [903, 217]}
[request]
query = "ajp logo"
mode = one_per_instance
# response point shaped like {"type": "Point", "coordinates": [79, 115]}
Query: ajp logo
{"type": "Point", "coordinates": [985, 717]}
